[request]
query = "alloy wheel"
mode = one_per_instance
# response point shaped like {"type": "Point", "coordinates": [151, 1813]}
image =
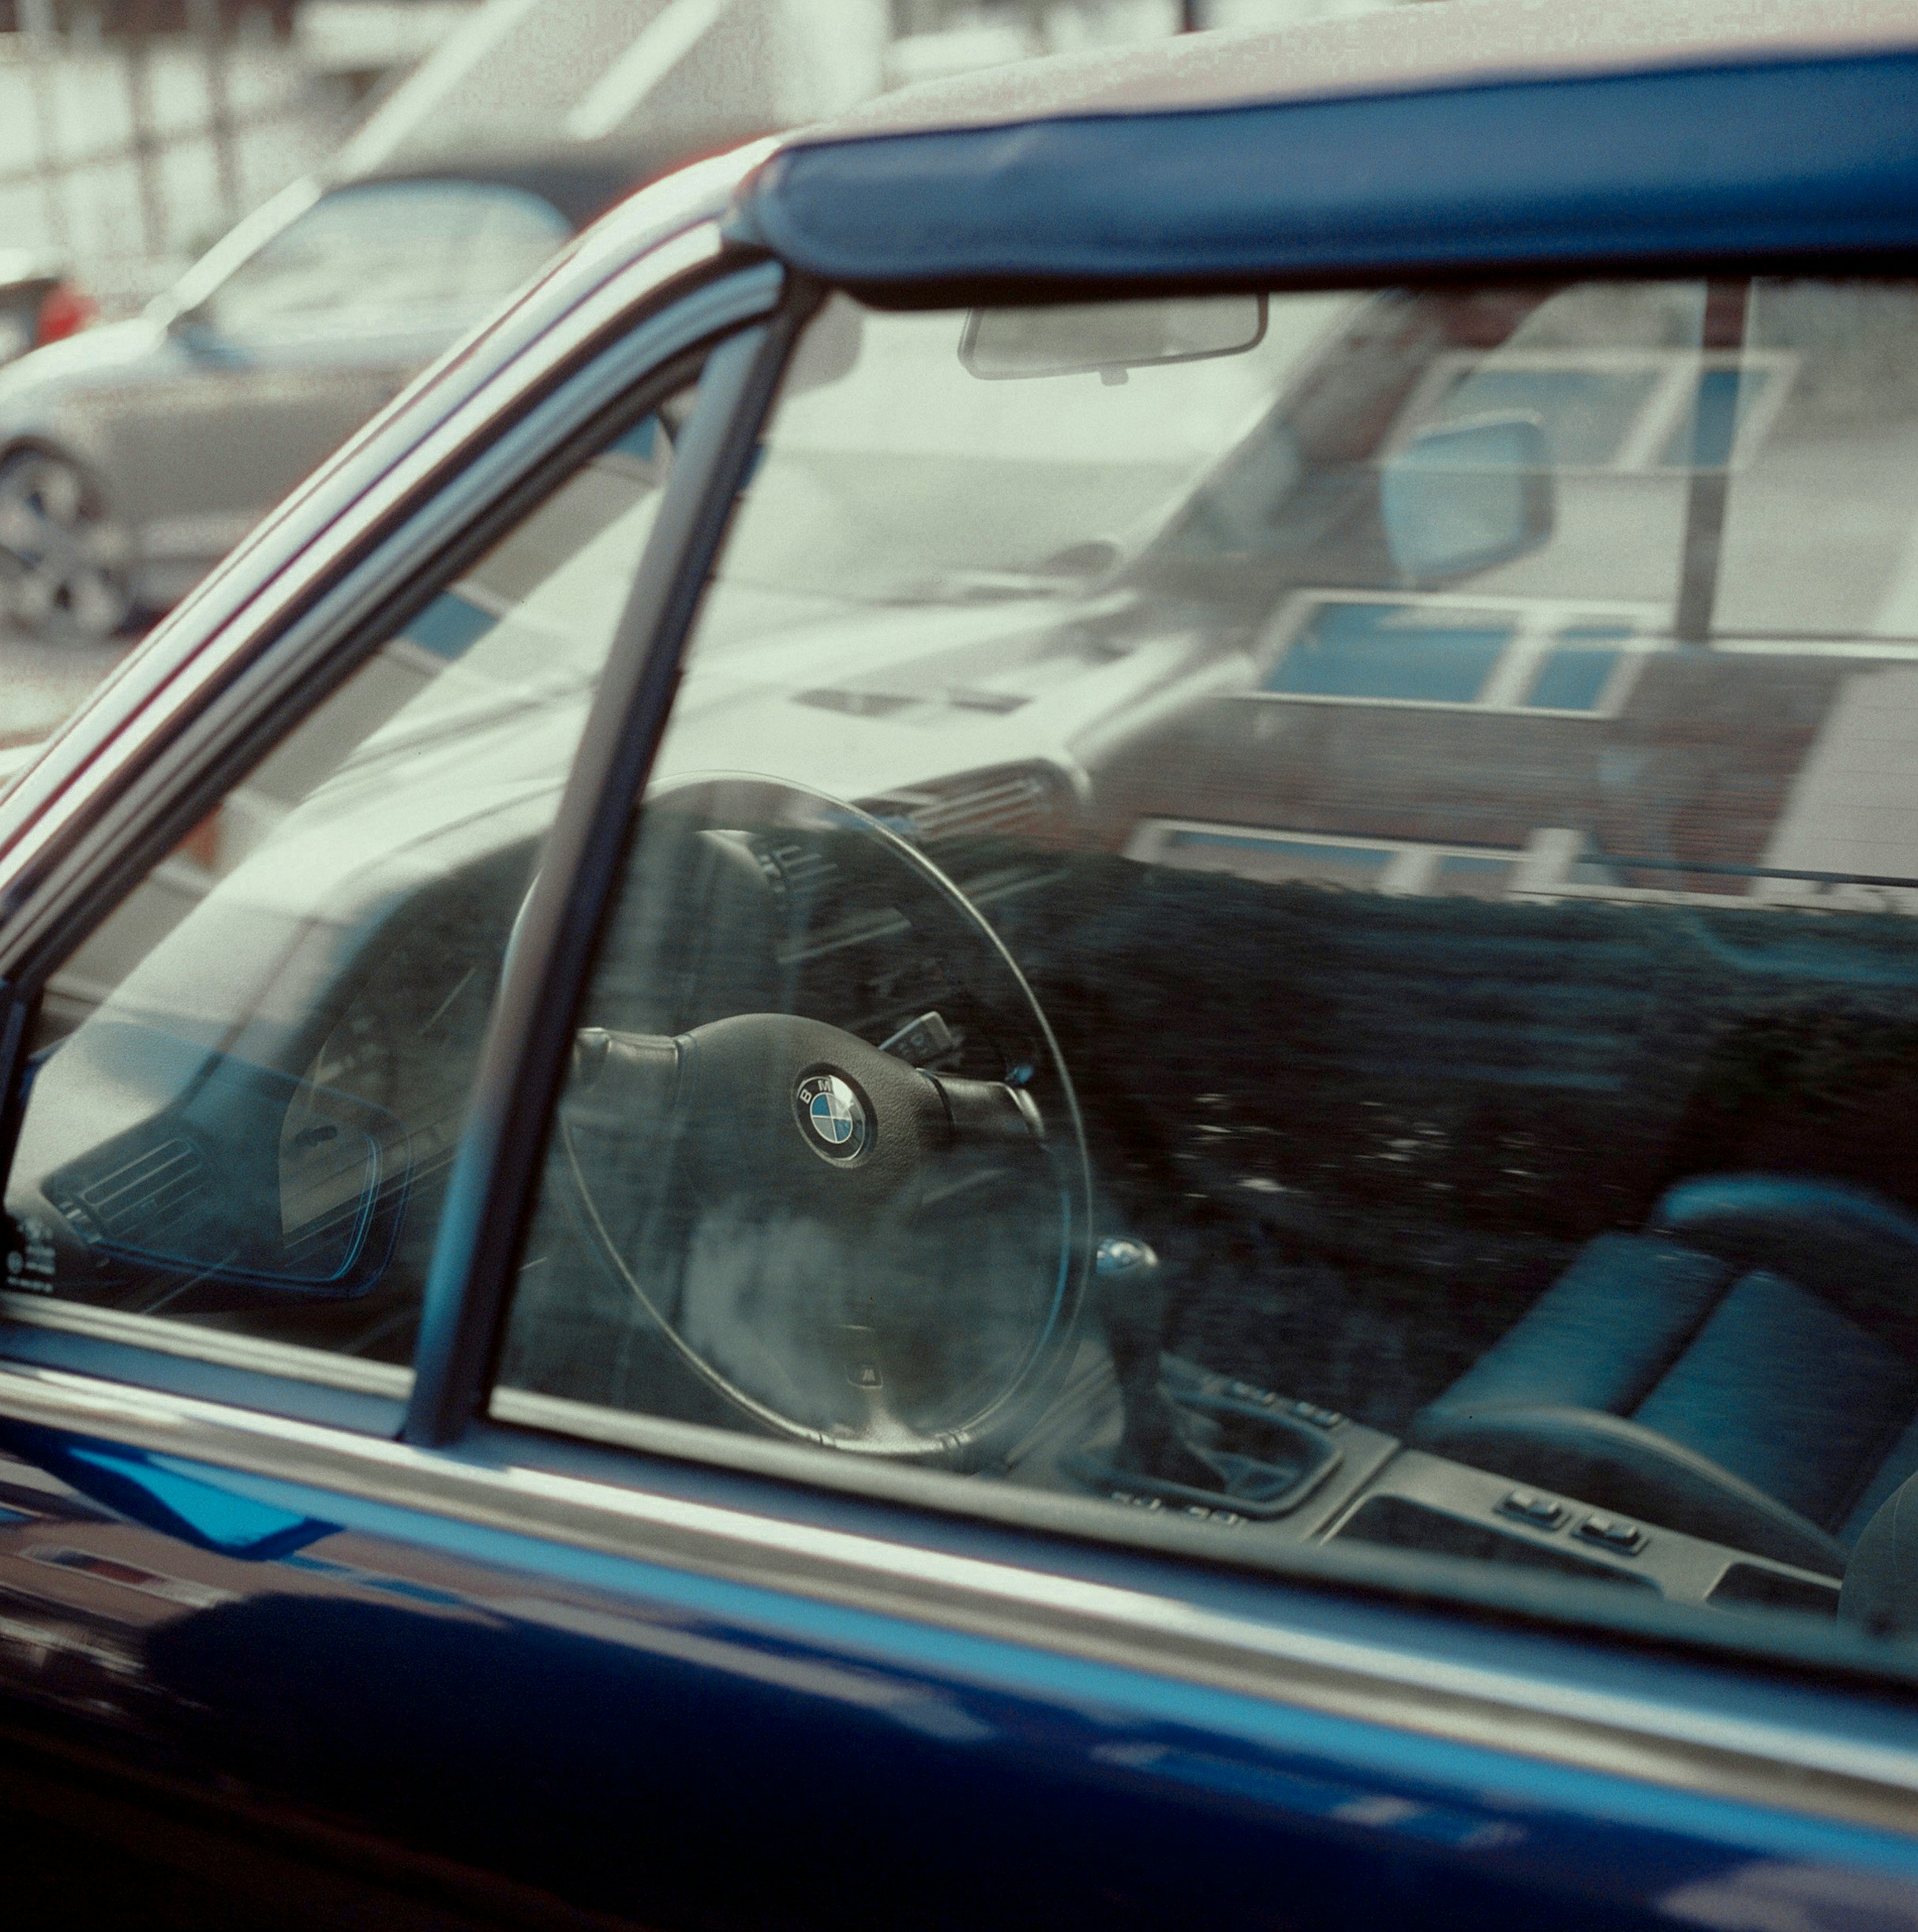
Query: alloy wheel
{"type": "Point", "coordinates": [63, 558]}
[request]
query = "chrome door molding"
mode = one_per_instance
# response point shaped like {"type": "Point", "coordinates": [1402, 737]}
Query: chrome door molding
{"type": "Point", "coordinates": [160, 746]}
{"type": "Point", "coordinates": [1699, 1747]}
{"type": "Point", "coordinates": [220, 1348]}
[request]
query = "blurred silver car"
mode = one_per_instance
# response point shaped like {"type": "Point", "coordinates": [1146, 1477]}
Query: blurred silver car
{"type": "Point", "coordinates": [132, 456]}
{"type": "Point", "coordinates": [131, 461]}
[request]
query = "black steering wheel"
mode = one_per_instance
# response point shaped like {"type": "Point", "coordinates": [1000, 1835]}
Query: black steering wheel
{"type": "Point", "coordinates": [878, 1244]}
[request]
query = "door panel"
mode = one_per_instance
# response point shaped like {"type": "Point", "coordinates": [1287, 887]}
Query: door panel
{"type": "Point", "coordinates": [680, 1742]}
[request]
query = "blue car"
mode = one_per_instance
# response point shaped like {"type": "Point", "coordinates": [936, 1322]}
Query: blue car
{"type": "Point", "coordinates": [1025, 1035]}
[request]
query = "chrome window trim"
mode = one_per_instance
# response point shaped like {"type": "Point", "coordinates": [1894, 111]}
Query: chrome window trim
{"type": "Point", "coordinates": [1396, 1686]}
{"type": "Point", "coordinates": [166, 747]}
{"type": "Point", "coordinates": [220, 1348]}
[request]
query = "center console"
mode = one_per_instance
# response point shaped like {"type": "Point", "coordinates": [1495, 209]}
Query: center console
{"type": "Point", "coordinates": [1157, 1432]}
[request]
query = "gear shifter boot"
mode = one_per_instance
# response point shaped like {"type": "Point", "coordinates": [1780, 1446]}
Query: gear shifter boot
{"type": "Point", "coordinates": [1128, 1292]}
{"type": "Point", "coordinates": [1208, 1454]}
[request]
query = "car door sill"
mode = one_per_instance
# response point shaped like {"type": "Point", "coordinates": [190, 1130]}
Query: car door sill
{"type": "Point", "coordinates": [1862, 1780]}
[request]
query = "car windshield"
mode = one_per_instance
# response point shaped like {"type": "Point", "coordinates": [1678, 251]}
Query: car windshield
{"type": "Point", "coordinates": [387, 249]}
{"type": "Point", "coordinates": [1037, 498]}
{"type": "Point", "coordinates": [1438, 769]}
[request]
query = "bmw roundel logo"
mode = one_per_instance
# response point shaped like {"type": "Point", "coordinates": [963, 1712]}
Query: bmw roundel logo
{"type": "Point", "coordinates": [832, 1116]}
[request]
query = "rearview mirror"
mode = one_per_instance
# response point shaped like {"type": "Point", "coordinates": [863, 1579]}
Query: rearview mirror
{"type": "Point", "coordinates": [1462, 496]}
{"type": "Point", "coordinates": [142, 1152]}
{"type": "Point", "coordinates": [1009, 345]}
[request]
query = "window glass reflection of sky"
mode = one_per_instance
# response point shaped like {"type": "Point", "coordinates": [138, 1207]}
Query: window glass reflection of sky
{"type": "Point", "coordinates": [1703, 439]}
{"type": "Point", "coordinates": [1393, 650]}
{"type": "Point", "coordinates": [1411, 653]}
{"type": "Point", "coordinates": [1574, 675]}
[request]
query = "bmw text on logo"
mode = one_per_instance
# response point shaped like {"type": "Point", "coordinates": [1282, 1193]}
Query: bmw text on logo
{"type": "Point", "coordinates": [832, 1116]}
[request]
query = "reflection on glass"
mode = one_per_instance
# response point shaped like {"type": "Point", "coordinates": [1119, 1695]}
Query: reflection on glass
{"type": "Point", "coordinates": [1388, 650]}
{"type": "Point", "coordinates": [1486, 1013]}
{"type": "Point", "coordinates": [250, 1080]}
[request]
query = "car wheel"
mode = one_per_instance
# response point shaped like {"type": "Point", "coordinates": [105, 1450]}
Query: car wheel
{"type": "Point", "coordinates": [63, 555]}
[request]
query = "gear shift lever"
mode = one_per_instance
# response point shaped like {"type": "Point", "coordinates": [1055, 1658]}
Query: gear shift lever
{"type": "Point", "coordinates": [1129, 1289]}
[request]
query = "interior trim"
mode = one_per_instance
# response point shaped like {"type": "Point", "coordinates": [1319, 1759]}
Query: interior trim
{"type": "Point", "coordinates": [1860, 1780]}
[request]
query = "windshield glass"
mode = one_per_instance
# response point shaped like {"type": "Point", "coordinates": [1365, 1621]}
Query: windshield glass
{"type": "Point", "coordinates": [1041, 482]}
{"type": "Point", "coordinates": [1441, 776]}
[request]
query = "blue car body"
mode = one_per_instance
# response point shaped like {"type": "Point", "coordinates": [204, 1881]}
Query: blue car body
{"type": "Point", "coordinates": [373, 1651]}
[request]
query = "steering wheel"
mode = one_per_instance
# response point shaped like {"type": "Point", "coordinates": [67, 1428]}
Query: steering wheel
{"type": "Point", "coordinates": [848, 1247]}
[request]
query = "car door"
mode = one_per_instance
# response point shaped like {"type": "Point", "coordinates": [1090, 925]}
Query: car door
{"type": "Point", "coordinates": [451, 1445]}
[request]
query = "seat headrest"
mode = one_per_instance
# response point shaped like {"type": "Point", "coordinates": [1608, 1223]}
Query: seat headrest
{"type": "Point", "coordinates": [1856, 1248]}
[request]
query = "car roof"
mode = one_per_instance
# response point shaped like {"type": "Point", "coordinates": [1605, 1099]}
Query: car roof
{"type": "Point", "coordinates": [1458, 137]}
{"type": "Point", "coordinates": [581, 180]}
{"type": "Point", "coordinates": [1391, 49]}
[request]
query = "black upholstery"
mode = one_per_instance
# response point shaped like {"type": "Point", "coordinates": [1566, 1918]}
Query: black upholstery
{"type": "Point", "coordinates": [1881, 1581]}
{"type": "Point", "coordinates": [1746, 1369]}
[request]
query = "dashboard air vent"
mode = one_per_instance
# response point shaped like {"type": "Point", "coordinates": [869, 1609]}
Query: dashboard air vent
{"type": "Point", "coordinates": [1019, 801]}
{"type": "Point", "coordinates": [134, 1203]}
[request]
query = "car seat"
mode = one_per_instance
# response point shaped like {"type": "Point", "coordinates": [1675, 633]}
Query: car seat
{"type": "Point", "coordinates": [1744, 1369]}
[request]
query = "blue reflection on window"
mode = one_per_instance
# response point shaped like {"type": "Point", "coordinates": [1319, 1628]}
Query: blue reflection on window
{"type": "Point", "coordinates": [642, 440]}
{"type": "Point", "coordinates": [449, 625]}
{"type": "Point", "coordinates": [1392, 650]}
{"type": "Point", "coordinates": [1704, 439]}
{"type": "Point", "coordinates": [1574, 675]}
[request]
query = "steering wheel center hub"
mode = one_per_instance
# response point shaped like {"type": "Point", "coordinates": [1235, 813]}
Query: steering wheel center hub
{"type": "Point", "coordinates": [834, 1117]}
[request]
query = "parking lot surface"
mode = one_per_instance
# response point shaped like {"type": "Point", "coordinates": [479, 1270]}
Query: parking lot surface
{"type": "Point", "coordinates": [41, 684]}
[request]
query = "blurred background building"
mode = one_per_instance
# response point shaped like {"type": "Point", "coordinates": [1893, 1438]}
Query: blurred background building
{"type": "Point", "coordinates": [133, 133]}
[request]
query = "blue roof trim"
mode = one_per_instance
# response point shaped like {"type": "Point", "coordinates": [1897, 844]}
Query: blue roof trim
{"type": "Point", "coordinates": [1799, 157]}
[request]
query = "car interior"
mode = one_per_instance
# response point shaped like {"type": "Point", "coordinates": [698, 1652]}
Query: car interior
{"type": "Point", "coordinates": [1336, 1022]}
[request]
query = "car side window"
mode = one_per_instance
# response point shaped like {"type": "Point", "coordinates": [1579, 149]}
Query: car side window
{"type": "Point", "coordinates": [1301, 918]}
{"type": "Point", "coordinates": [246, 1087]}
{"type": "Point", "coordinates": [387, 251]}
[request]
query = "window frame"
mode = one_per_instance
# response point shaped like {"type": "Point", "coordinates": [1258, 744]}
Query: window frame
{"type": "Point", "coordinates": [496, 1173]}
{"type": "Point", "coordinates": [447, 1426]}
{"type": "Point", "coordinates": [465, 1411]}
{"type": "Point", "coordinates": [513, 456]}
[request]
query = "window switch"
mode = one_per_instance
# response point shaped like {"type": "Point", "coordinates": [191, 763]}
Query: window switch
{"type": "Point", "coordinates": [1530, 1507]}
{"type": "Point", "coordinates": [1627, 1539]}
